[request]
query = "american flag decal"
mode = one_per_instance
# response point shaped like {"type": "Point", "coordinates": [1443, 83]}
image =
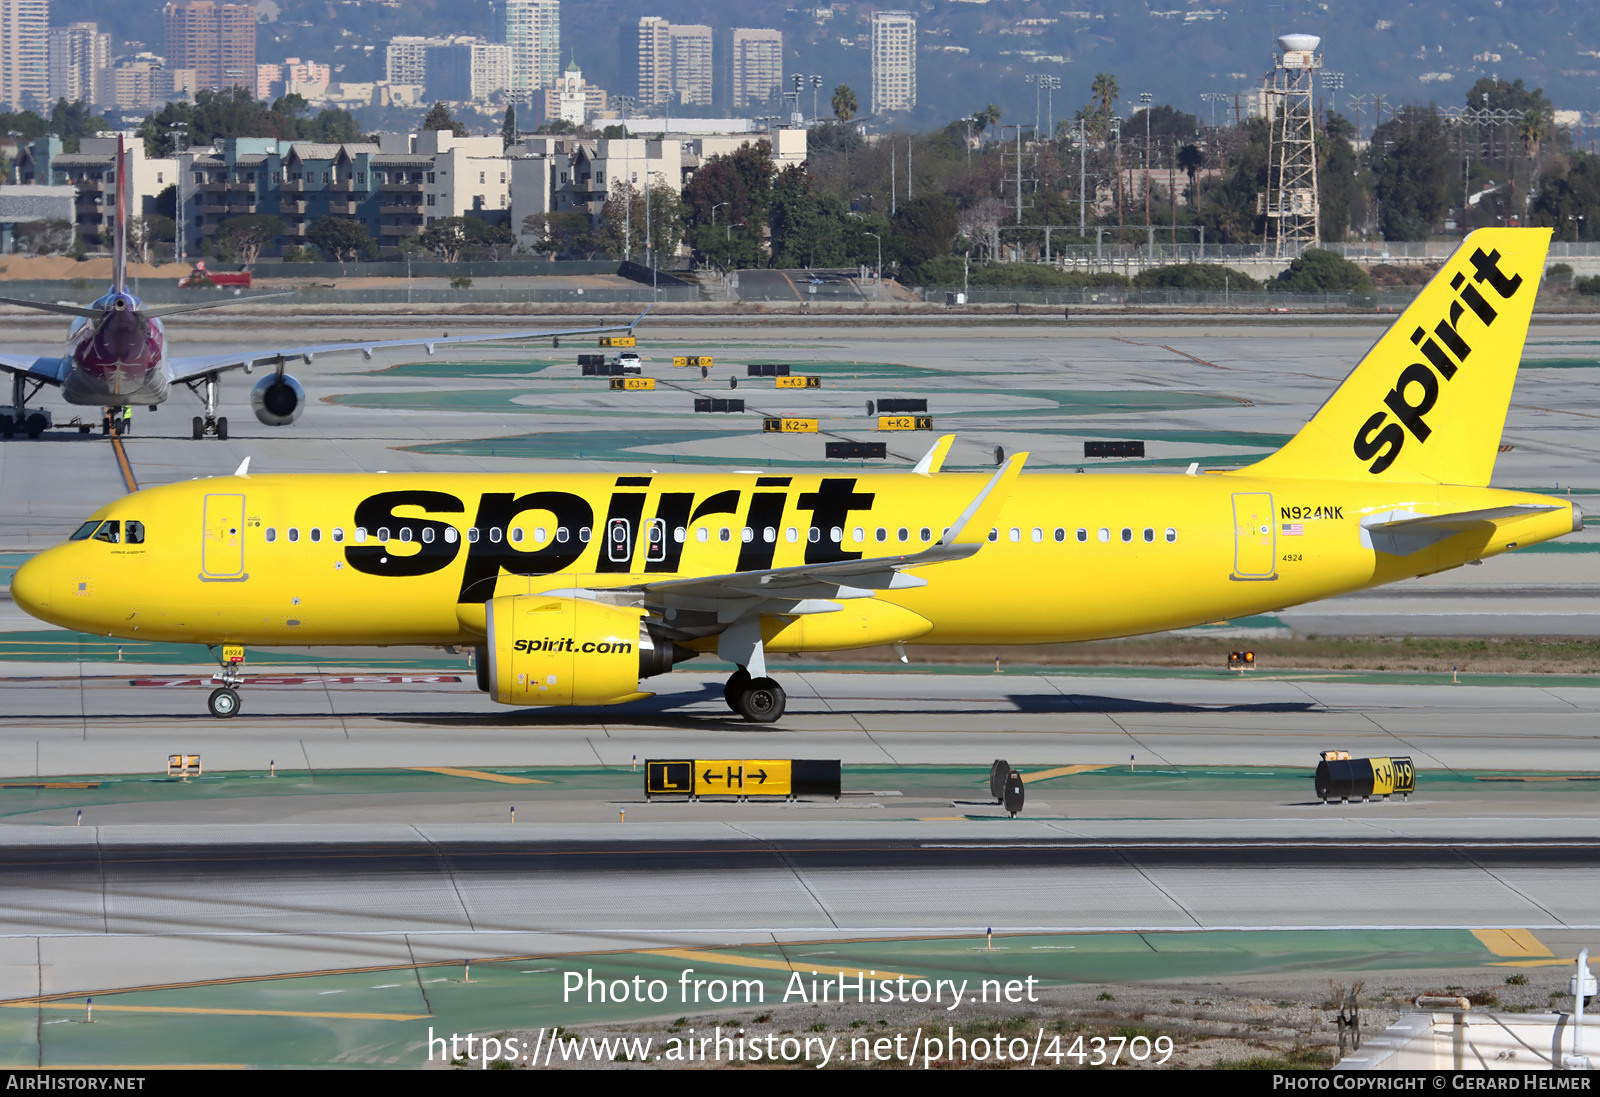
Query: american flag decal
{"type": "Point", "coordinates": [1293, 529]}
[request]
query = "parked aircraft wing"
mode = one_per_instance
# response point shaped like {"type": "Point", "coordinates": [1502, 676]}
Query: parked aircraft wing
{"type": "Point", "coordinates": [193, 367]}
{"type": "Point", "coordinates": [52, 371]}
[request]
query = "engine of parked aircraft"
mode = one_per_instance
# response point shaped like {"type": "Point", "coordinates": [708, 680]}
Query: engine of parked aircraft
{"type": "Point", "coordinates": [547, 650]}
{"type": "Point", "coordinates": [278, 400]}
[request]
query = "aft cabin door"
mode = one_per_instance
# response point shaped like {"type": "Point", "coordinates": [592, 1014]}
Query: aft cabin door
{"type": "Point", "coordinates": [1255, 542]}
{"type": "Point", "coordinates": [222, 547]}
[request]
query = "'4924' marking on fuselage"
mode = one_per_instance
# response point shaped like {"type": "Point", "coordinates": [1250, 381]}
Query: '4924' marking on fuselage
{"type": "Point", "coordinates": [1300, 513]}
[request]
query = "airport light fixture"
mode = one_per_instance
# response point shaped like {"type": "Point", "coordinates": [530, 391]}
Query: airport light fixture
{"type": "Point", "coordinates": [1145, 99]}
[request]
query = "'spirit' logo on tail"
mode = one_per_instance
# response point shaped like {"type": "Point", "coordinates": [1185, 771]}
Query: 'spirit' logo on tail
{"type": "Point", "coordinates": [1416, 390]}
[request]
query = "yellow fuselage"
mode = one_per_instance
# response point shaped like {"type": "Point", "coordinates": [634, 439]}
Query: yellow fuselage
{"type": "Point", "coordinates": [297, 560]}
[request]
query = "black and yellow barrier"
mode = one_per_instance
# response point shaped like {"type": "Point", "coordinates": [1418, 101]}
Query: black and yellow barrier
{"type": "Point", "coordinates": [713, 403]}
{"type": "Point", "coordinates": [632, 384]}
{"type": "Point", "coordinates": [766, 369]}
{"type": "Point", "coordinates": [694, 360]}
{"type": "Point", "coordinates": [905, 422]}
{"type": "Point", "coordinates": [618, 341]}
{"type": "Point", "coordinates": [849, 451]}
{"type": "Point", "coordinates": [901, 405]}
{"type": "Point", "coordinates": [1113, 449]}
{"type": "Point", "coordinates": [742, 778]}
{"type": "Point", "coordinates": [1345, 779]}
{"type": "Point", "coordinates": [798, 381]}
{"type": "Point", "coordinates": [788, 426]}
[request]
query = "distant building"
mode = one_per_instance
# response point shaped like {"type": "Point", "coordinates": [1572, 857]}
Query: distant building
{"type": "Point", "coordinates": [93, 171]}
{"type": "Point", "coordinates": [294, 77]}
{"type": "Point", "coordinates": [894, 61]}
{"type": "Point", "coordinates": [675, 63]}
{"type": "Point", "coordinates": [25, 54]}
{"type": "Point", "coordinates": [217, 40]}
{"type": "Point", "coordinates": [406, 59]}
{"type": "Point", "coordinates": [468, 70]}
{"type": "Point", "coordinates": [143, 83]}
{"type": "Point", "coordinates": [571, 99]}
{"type": "Point", "coordinates": [80, 64]}
{"type": "Point", "coordinates": [533, 32]}
{"type": "Point", "coordinates": [757, 66]}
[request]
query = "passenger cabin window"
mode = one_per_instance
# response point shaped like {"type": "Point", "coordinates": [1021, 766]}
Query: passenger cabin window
{"type": "Point", "coordinates": [315, 534]}
{"type": "Point", "coordinates": [294, 535]}
{"type": "Point", "coordinates": [516, 535]}
{"type": "Point", "coordinates": [1127, 535]}
{"type": "Point", "coordinates": [1105, 535]}
{"type": "Point", "coordinates": [1149, 536]}
{"type": "Point", "coordinates": [360, 535]}
{"type": "Point", "coordinates": [109, 532]}
{"type": "Point", "coordinates": [1083, 535]}
{"type": "Point", "coordinates": [1172, 535]}
{"type": "Point", "coordinates": [272, 535]}
{"type": "Point", "coordinates": [472, 535]}
{"type": "Point", "coordinates": [337, 534]}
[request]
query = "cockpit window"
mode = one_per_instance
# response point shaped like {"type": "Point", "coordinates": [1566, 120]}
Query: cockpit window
{"type": "Point", "coordinates": [134, 532]}
{"type": "Point", "coordinates": [83, 531]}
{"type": "Point", "coordinates": [109, 531]}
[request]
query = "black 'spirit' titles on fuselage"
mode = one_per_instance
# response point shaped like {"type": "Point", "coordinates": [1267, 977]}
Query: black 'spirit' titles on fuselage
{"type": "Point", "coordinates": [1416, 390]}
{"type": "Point", "coordinates": [830, 507]}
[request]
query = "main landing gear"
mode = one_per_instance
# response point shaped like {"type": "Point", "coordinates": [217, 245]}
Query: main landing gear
{"type": "Point", "coordinates": [224, 700]}
{"type": "Point", "coordinates": [210, 423]}
{"type": "Point", "coordinates": [758, 700]}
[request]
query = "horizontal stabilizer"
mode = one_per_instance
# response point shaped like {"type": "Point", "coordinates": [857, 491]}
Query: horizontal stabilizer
{"type": "Point", "coordinates": [1402, 532]}
{"type": "Point", "coordinates": [52, 306]}
{"type": "Point", "coordinates": [157, 311]}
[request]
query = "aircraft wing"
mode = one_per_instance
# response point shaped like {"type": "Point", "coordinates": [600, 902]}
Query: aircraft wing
{"type": "Point", "coordinates": [731, 605]}
{"type": "Point", "coordinates": [194, 367]}
{"type": "Point", "coordinates": [52, 371]}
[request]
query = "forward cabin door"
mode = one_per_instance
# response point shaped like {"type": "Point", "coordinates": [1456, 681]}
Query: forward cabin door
{"type": "Point", "coordinates": [1255, 541]}
{"type": "Point", "coordinates": [222, 545]}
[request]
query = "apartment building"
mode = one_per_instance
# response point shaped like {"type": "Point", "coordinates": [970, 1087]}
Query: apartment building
{"type": "Point", "coordinates": [217, 40]}
{"type": "Point", "coordinates": [80, 64]}
{"type": "Point", "coordinates": [533, 33]}
{"type": "Point", "coordinates": [25, 54]}
{"type": "Point", "coordinates": [757, 67]}
{"type": "Point", "coordinates": [894, 61]}
{"type": "Point", "coordinates": [675, 63]}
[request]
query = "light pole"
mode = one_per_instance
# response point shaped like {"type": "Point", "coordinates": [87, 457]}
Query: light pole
{"type": "Point", "coordinates": [180, 128]}
{"type": "Point", "coordinates": [714, 210]}
{"type": "Point", "coordinates": [1051, 85]}
{"type": "Point", "coordinates": [1334, 82]}
{"type": "Point", "coordinates": [1145, 99]}
{"type": "Point", "coordinates": [1213, 97]}
{"type": "Point", "coordinates": [816, 85]}
{"type": "Point", "coordinates": [879, 279]}
{"type": "Point", "coordinates": [1037, 80]}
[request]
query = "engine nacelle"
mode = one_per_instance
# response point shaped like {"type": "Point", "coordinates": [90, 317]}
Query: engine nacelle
{"type": "Point", "coordinates": [278, 400]}
{"type": "Point", "coordinates": [547, 650]}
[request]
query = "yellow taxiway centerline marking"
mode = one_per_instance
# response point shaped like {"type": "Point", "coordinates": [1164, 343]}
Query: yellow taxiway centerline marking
{"type": "Point", "coordinates": [225, 1012]}
{"type": "Point", "coordinates": [1512, 942]}
{"type": "Point", "coordinates": [480, 775]}
{"type": "Point", "coordinates": [1059, 771]}
{"type": "Point", "coordinates": [771, 965]}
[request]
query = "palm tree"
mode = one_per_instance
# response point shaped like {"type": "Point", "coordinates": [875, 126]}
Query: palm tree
{"type": "Point", "coordinates": [1191, 159]}
{"type": "Point", "coordinates": [1531, 131]}
{"type": "Point", "coordinates": [1105, 89]}
{"type": "Point", "coordinates": [845, 103]}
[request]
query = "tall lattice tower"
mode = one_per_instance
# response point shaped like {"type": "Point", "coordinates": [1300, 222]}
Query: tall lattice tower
{"type": "Point", "coordinates": [1290, 200]}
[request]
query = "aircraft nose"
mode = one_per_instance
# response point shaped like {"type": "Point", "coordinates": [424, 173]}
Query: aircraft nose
{"type": "Point", "coordinates": [38, 588]}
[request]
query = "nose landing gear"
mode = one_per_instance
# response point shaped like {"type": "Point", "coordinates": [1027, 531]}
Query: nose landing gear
{"type": "Point", "coordinates": [224, 700]}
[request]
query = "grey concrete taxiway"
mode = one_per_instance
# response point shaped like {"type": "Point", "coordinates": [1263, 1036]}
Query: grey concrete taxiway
{"type": "Point", "coordinates": [254, 885]}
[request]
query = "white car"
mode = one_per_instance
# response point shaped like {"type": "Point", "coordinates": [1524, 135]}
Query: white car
{"type": "Point", "coordinates": [630, 362]}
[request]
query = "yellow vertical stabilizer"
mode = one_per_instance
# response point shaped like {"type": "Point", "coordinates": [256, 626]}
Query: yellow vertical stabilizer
{"type": "Point", "coordinates": [1428, 402]}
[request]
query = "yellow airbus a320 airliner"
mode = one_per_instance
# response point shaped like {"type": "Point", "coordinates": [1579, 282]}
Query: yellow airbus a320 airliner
{"type": "Point", "coordinates": [573, 588]}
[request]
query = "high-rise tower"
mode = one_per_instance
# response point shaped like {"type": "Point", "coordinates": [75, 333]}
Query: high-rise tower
{"type": "Point", "coordinates": [533, 31]}
{"type": "Point", "coordinates": [894, 61]}
{"type": "Point", "coordinates": [25, 54]}
{"type": "Point", "coordinates": [217, 41]}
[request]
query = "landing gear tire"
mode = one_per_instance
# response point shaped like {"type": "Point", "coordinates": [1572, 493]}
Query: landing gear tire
{"type": "Point", "coordinates": [223, 703]}
{"type": "Point", "coordinates": [736, 684]}
{"type": "Point", "coordinates": [222, 429]}
{"type": "Point", "coordinates": [199, 426]}
{"type": "Point", "coordinates": [762, 701]}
